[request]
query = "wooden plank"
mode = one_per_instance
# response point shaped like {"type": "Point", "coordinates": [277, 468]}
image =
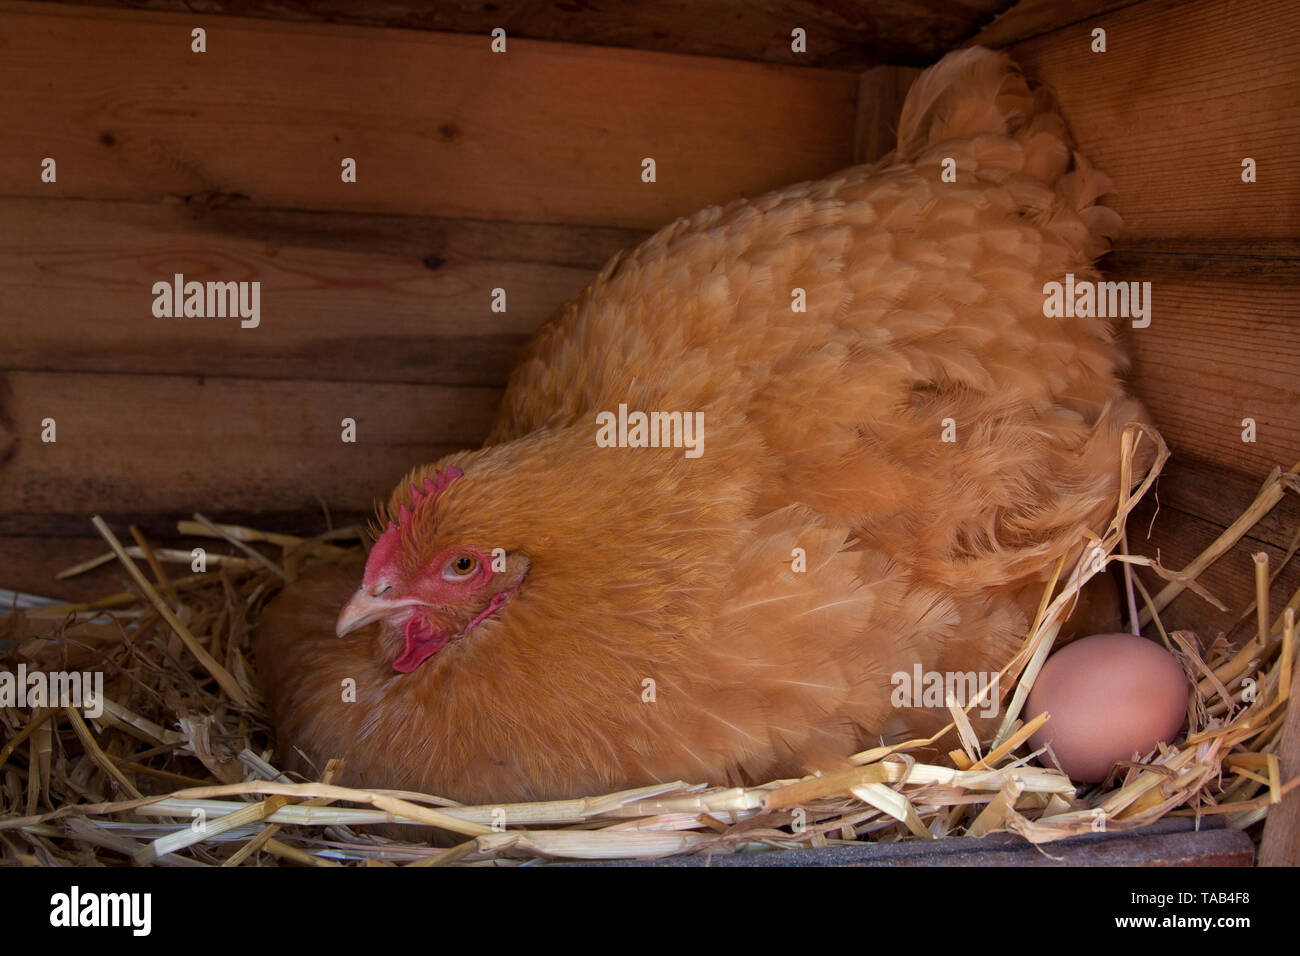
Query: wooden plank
{"type": "Point", "coordinates": [1031, 18]}
{"type": "Point", "coordinates": [343, 296]}
{"type": "Point", "coordinates": [1192, 504]}
{"type": "Point", "coordinates": [158, 443]}
{"type": "Point", "coordinates": [438, 124]}
{"type": "Point", "coordinates": [1184, 92]}
{"type": "Point", "coordinates": [1240, 257]}
{"type": "Point", "coordinates": [1168, 842]}
{"type": "Point", "coordinates": [854, 35]}
{"type": "Point", "coordinates": [1220, 350]}
{"type": "Point", "coordinates": [1177, 537]}
{"type": "Point", "coordinates": [1219, 496]}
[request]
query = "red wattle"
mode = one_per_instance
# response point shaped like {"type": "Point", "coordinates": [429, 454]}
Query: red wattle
{"type": "Point", "coordinates": [422, 642]}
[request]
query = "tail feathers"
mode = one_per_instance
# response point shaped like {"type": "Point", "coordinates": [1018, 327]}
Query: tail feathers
{"type": "Point", "coordinates": [969, 92]}
{"type": "Point", "coordinates": [976, 102]}
{"type": "Point", "coordinates": [1081, 190]}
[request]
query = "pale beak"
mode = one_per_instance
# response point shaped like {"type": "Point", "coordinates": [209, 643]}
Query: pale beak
{"type": "Point", "coordinates": [364, 608]}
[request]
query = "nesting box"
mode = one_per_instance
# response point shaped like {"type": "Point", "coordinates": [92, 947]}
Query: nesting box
{"type": "Point", "coordinates": [403, 197]}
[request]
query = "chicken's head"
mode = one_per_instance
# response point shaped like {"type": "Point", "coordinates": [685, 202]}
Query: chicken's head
{"type": "Point", "coordinates": [430, 590]}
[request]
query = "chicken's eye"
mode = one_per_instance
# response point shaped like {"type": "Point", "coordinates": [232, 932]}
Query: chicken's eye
{"type": "Point", "coordinates": [461, 567]}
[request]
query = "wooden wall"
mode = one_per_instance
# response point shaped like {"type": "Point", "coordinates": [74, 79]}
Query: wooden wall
{"type": "Point", "coordinates": [522, 172]}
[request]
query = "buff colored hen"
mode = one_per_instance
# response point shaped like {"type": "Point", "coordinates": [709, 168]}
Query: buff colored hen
{"type": "Point", "coordinates": [547, 617]}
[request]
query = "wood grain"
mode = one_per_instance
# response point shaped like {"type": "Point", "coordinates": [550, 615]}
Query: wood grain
{"type": "Point", "coordinates": [854, 35]}
{"type": "Point", "coordinates": [343, 296]}
{"type": "Point", "coordinates": [1220, 350]}
{"type": "Point", "coordinates": [439, 125]}
{"type": "Point", "coordinates": [169, 444]}
{"type": "Point", "coordinates": [1184, 92]}
{"type": "Point", "coordinates": [1027, 19]}
{"type": "Point", "coordinates": [1177, 537]}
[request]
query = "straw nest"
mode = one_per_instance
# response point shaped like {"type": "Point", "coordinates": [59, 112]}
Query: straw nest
{"type": "Point", "coordinates": [178, 768]}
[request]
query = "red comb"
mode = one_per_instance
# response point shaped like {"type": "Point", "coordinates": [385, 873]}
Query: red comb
{"type": "Point", "coordinates": [385, 549]}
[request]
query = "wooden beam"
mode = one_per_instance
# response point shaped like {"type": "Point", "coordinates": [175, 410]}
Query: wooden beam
{"type": "Point", "coordinates": [1031, 18]}
{"type": "Point", "coordinates": [1219, 495]}
{"type": "Point", "coordinates": [1178, 537]}
{"type": "Point", "coordinates": [343, 296]}
{"type": "Point", "coordinates": [170, 444]}
{"type": "Point", "coordinates": [852, 36]}
{"type": "Point", "coordinates": [438, 123]}
{"type": "Point", "coordinates": [1192, 504]}
{"type": "Point", "coordinates": [1220, 351]}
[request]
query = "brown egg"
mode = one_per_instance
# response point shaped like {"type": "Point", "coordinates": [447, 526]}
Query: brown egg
{"type": "Point", "coordinates": [1110, 696]}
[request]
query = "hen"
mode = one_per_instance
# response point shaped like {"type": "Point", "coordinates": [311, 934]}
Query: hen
{"type": "Point", "coordinates": [550, 617]}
